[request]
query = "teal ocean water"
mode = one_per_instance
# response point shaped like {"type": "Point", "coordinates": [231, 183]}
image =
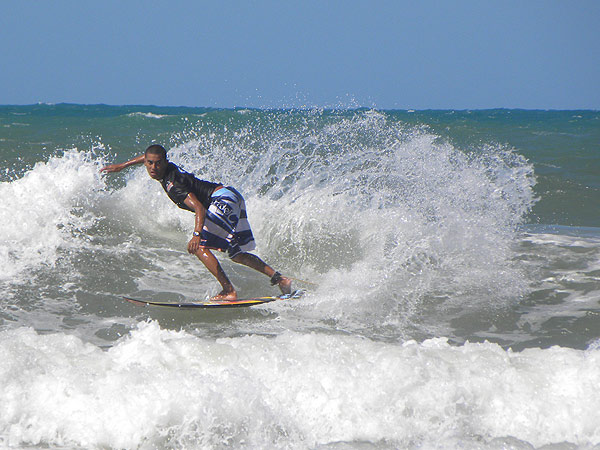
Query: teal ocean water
{"type": "Point", "coordinates": [453, 261]}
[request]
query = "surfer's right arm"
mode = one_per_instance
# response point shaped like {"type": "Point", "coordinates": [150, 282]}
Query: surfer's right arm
{"type": "Point", "coordinates": [118, 167]}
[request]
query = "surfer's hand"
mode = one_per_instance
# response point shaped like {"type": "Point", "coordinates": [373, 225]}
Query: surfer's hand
{"type": "Point", "coordinates": [194, 245]}
{"type": "Point", "coordinates": [112, 168]}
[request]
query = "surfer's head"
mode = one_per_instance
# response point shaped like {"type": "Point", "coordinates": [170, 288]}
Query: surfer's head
{"type": "Point", "coordinates": [155, 160]}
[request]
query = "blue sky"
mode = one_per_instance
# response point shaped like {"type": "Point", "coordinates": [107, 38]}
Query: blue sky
{"type": "Point", "coordinates": [386, 54]}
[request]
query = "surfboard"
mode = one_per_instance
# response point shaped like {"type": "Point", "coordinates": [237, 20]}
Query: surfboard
{"type": "Point", "coordinates": [240, 303]}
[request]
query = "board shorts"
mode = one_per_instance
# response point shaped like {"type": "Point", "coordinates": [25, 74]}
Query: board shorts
{"type": "Point", "coordinates": [226, 226]}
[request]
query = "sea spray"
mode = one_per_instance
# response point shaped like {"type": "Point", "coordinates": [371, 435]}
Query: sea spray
{"type": "Point", "coordinates": [388, 219]}
{"type": "Point", "coordinates": [376, 212]}
{"type": "Point", "coordinates": [414, 226]}
{"type": "Point", "coordinates": [47, 210]}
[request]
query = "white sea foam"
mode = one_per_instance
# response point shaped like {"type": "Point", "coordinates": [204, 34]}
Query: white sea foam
{"type": "Point", "coordinates": [366, 207]}
{"type": "Point", "coordinates": [46, 210]}
{"type": "Point", "coordinates": [164, 388]}
{"type": "Point", "coordinates": [144, 204]}
{"type": "Point", "coordinates": [383, 217]}
{"type": "Point", "coordinates": [147, 115]}
{"type": "Point", "coordinates": [397, 228]}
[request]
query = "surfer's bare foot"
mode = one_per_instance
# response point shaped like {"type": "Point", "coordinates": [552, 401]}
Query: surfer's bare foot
{"type": "Point", "coordinates": [225, 296]}
{"type": "Point", "coordinates": [285, 285]}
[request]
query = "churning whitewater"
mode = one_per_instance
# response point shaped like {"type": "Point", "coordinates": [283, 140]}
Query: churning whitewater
{"type": "Point", "coordinates": [441, 311]}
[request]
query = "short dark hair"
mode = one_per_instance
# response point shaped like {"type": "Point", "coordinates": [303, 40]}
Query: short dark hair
{"type": "Point", "coordinates": [156, 150]}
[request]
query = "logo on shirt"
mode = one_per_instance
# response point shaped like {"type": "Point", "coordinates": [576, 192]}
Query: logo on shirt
{"type": "Point", "coordinates": [169, 186]}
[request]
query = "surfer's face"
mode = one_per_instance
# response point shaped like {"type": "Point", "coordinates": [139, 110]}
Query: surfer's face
{"type": "Point", "coordinates": [155, 165]}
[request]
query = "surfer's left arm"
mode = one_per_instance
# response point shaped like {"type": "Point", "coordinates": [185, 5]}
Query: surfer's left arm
{"type": "Point", "coordinates": [192, 201]}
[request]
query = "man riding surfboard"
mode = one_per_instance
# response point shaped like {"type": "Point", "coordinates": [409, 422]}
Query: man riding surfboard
{"type": "Point", "coordinates": [220, 224]}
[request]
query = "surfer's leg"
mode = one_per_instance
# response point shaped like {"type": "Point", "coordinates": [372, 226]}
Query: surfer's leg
{"type": "Point", "coordinates": [212, 264]}
{"type": "Point", "coordinates": [253, 261]}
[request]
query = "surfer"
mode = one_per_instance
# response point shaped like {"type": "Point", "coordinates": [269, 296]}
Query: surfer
{"type": "Point", "coordinates": [221, 222]}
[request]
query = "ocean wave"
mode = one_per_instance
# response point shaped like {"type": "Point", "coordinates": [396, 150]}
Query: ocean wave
{"type": "Point", "coordinates": [375, 211]}
{"type": "Point", "coordinates": [147, 115]}
{"type": "Point", "coordinates": [159, 388]}
{"type": "Point", "coordinates": [46, 210]}
{"type": "Point", "coordinates": [388, 219]}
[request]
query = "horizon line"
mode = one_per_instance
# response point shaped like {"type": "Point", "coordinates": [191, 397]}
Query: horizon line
{"type": "Point", "coordinates": [293, 108]}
